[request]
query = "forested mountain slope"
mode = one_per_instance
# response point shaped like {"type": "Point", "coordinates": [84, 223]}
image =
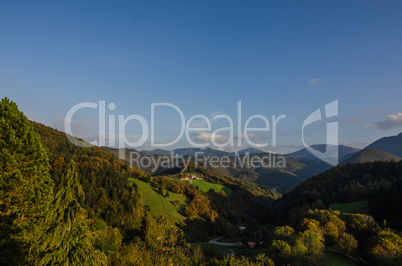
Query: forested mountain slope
{"type": "Point", "coordinates": [345, 184]}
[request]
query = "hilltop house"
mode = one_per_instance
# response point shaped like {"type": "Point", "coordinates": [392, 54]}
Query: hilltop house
{"type": "Point", "coordinates": [195, 177]}
{"type": "Point", "coordinates": [242, 226]}
{"type": "Point", "coordinates": [183, 177]}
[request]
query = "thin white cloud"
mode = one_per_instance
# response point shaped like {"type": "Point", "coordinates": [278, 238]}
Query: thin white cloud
{"type": "Point", "coordinates": [259, 145]}
{"type": "Point", "coordinates": [314, 81]}
{"type": "Point", "coordinates": [251, 136]}
{"type": "Point", "coordinates": [243, 136]}
{"type": "Point", "coordinates": [391, 122]}
{"type": "Point", "coordinates": [207, 137]}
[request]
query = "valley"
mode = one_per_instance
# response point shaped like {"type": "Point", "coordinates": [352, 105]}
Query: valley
{"type": "Point", "coordinates": [200, 133]}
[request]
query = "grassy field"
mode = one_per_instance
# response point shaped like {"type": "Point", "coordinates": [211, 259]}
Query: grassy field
{"type": "Point", "coordinates": [160, 205]}
{"type": "Point", "coordinates": [204, 186]}
{"type": "Point", "coordinates": [353, 207]}
{"type": "Point", "coordinates": [336, 258]}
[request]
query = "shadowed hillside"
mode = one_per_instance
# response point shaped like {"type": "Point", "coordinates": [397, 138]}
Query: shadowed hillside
{"type": "Point", "coordinates": [370, 155]}
{"type": "Point", "coordinates": [345, 184]}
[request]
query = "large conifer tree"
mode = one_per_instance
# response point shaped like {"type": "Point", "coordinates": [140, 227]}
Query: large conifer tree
{"type": "Point", "coordinates": [67, 238]}
{"type": "Point", "coordinates": [26, 188]}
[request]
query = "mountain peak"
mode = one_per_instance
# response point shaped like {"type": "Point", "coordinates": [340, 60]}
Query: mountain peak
{"type": "Point", "coordinates": [391, 144]}
{"type": "Point", "coordinates": [371, 155]}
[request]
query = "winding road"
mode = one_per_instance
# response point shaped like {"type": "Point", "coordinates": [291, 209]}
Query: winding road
{"type": "Point", "coordinates": [215, 241]}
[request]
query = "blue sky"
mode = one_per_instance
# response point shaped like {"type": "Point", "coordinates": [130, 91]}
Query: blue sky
{"type": "Point", "coordinates": [276, 57]}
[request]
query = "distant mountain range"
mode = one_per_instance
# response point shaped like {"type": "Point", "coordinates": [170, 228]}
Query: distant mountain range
{"type": "Point", "coordinates": [304, 154]}
{"type": "Point", "coordinates": [201, 152]}
{"type": "Point", "coordinates": [157, 151]}
{"type": "Point", "coordinates": [300, 165]}
{"type": "Point", "coordinates": [370, 155]}
{"type": "Point", "coordinates": [249, 151]}
{"type": "Point", "coordinates": [343, 152]}
{"type": "Point", "coordinates": [392, 144]}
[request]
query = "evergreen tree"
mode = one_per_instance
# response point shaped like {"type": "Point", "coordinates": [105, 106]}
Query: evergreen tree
{"type": "Point", "coordinates": [67, 238]}
{"type": "Point", "coordinates": [160, 190]}
{"type": "Point", "coordinates": [26, 188]}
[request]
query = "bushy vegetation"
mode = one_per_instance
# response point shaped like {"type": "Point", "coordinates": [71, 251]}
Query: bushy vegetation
{"type": "Point", "coordinates": [357, 236]}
